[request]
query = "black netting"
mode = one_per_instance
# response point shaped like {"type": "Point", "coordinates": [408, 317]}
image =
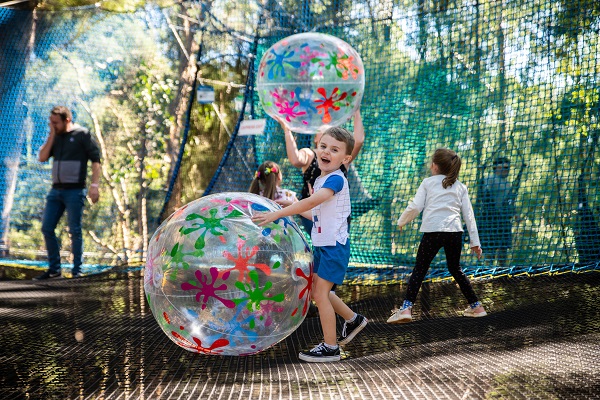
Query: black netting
{"type": "Point", "coordinates": [509, 81]}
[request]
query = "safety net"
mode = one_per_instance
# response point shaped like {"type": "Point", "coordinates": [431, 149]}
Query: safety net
{"type": "Point", "coordinates": [511, 86]}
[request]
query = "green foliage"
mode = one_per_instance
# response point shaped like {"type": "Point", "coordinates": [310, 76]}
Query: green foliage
{"type": "Point", "coordinates": [517, 79]}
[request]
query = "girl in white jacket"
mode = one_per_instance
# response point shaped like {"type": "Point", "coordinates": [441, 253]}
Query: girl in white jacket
{"type": "Point", "coordinates": [442, 198]}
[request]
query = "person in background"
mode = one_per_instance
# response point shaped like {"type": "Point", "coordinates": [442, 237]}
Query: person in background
{"type": "Point", "coordinates": [442, 198]}
{"type": "Point", "coordinates": [498, 212]}
{"type": "Point", "coordinates": [71, 147]}
{"type": "Point", "coordinates": [267, 183]}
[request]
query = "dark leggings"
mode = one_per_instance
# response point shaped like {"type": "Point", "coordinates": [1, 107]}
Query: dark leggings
{"type": "Point", "coordinates": [431, 243]}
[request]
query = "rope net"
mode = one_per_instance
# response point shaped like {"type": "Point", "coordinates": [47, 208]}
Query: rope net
{"type": "Point", "coordinates": [512, 86]}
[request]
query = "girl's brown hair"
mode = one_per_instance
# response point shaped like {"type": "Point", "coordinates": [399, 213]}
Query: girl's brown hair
{"type": "Point", "coordinates": [448, 163]}
{"type": "Point", "coordinates": [265, 179]}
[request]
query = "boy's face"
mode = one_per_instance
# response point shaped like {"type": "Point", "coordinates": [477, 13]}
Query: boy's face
{"type": "Point", "coordinates": [331, 154]}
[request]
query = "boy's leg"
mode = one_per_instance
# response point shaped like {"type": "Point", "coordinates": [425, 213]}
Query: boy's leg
{"type": "Point", "coordinates": [328, 350]}
{"type": "Point", "coordinates": [321, 295]}
{"type": "Point", "coordinates": [335, 259]}
{"type": "Point", "coordinates": [340, 307]}
{"type": "Point", "coordinates": [353, 322]}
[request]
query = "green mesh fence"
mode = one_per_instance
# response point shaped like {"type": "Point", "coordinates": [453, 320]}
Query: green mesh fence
{"type": "Point", "coordinates": [505, 83]}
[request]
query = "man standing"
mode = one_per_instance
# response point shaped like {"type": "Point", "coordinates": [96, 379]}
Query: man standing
{"type": "Point", "coordinates": [498, 210]}
{"type": "Point", "coordinates": [71, 147]}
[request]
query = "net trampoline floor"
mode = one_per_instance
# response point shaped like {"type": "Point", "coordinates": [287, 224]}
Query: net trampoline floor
{"type": "Point", "coordinates": [95, 338]}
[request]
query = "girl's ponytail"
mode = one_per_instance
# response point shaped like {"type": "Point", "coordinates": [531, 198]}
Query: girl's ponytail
{"type": "Point", "coordinates": [448, 163]}
{"type": "Point", "coordinates": [265, 180]}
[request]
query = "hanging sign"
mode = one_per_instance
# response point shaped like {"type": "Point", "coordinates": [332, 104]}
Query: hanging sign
{"type": "Point", "coordinates": [205, 94]}
{"type": "Point", "coordinates": [252, 127]}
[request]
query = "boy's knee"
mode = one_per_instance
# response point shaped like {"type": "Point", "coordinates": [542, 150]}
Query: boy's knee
{"type": "Point", "coordinates": [319, 297]}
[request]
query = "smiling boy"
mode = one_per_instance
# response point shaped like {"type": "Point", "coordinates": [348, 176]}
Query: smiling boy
{"type": "Point", "coordinates": [328, 207]}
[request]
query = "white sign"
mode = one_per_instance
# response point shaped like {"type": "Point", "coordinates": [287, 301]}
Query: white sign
{"type": "Point", "coordinates": [252, 127]}
{"type": "Point", "coordinates": [205, 94]}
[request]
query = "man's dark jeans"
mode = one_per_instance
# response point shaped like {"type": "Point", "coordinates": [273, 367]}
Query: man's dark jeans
{"type": "Point", "coordinates": [57, 201]}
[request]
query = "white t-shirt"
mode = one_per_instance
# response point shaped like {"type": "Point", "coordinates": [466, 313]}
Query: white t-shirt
{"type": "Point", "coordinates": [330, 218]}
{"type": "Point", "coordinates": [442, 208]}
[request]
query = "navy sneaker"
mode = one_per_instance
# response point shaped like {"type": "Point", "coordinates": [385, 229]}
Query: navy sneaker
{"type": "Point", "coordinates": [321, 353]}
{"type": "Point", "coordinates": [48, 275]}
{"type": "Point", "coordinates": [351, 329]}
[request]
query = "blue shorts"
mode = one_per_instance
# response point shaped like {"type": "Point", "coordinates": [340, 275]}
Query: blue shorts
{"type": "Point", "coordinates": [331, 262]}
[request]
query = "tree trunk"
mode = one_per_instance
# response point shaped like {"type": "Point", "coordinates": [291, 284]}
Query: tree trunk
{"type": "Point", "coordinates": [17, 34]}
{"type": "Point", "coordinates": [187, 72]}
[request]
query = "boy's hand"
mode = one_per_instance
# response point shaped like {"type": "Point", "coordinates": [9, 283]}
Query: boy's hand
{"type": "Point", "coordinates": [264, 218]}
{"type": "Point", "coordinates": [477, 251]}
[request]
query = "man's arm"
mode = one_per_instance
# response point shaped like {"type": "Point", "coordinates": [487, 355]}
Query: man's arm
{"type": "Point", "coordinates": [94, 191]}
{"type": "Point", "coordinates": [46, 148]}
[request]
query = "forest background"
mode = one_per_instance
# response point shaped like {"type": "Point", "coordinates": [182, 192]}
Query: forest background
{"type": "Point", "coordinates": [486, 77]}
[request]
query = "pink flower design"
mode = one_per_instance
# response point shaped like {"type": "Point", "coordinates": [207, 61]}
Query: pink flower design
{"type": "Point", "coordinates": [207, 290]}
{"type": "Point", "coordinates": [267, 309]}
{"type": "Point", "coordinates": [230, 204]}
{"type": "Point", "coordinates": [286, 104]}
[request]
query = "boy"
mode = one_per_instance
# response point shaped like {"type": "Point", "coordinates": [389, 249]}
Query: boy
{"type": "Point", "coordinates": [328, 207]}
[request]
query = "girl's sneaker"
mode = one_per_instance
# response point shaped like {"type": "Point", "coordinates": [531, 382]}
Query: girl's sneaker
{"type": "Point", "coordinates": [470, 312]}
{"type": "Point", "coordinates": [398, 317]}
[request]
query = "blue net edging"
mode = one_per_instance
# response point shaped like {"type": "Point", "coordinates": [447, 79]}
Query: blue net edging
{"type": "Point", "coordinates": [388, 275]}
{"type": "Point", "coordinates": [86, 269]}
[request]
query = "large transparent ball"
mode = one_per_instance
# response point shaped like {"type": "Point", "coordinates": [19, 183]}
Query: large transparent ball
{"type": "Point", "coordinates": [311, 80]}
{"type": "Point", "coordinates": [219, 284]}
